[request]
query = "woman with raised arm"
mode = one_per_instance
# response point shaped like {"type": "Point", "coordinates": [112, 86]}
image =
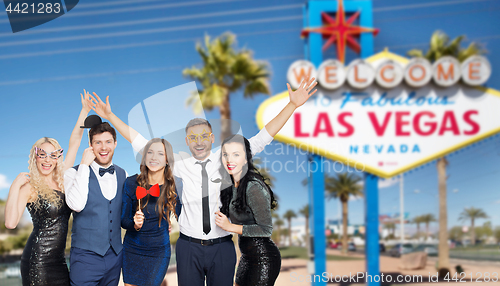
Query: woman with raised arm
{"type": "Point", "coordinates": [248, 202]}
{"type": "Point", "coordinates": [41, 190]}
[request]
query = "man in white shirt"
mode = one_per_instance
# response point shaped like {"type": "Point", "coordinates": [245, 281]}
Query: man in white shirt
{"type": "Point", "coordinates": [204, 250]}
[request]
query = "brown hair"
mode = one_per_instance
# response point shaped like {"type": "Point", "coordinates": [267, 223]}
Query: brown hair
{"type": "Point", "coordinates": [198, 121]}
{"type": "Point", "coordinates": [168, 195]}
{"type": "Point", "coordinates": [101, 128]}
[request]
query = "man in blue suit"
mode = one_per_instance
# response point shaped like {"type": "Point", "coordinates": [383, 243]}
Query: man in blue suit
{"type": "Point", "coordinates": [94, 193]}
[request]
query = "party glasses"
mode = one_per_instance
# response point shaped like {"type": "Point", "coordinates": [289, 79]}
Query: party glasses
{"type": "Point", "coordinates": [42, 154]}
{"type": "Point", "coordinates": [203, 136]}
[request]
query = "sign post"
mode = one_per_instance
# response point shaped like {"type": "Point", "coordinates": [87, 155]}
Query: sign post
{"type": "Point", "coordinates": [314, 46]}
{"type": "Point", "coordinates": [372, 249]}
{"type": "Point", "coordinates": [317, 186]}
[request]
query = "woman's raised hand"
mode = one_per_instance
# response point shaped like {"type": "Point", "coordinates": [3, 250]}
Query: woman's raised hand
{"type": "Point", "coordinates": [302, 94]}
{"type": "Point", "coordinates": [87, 103]}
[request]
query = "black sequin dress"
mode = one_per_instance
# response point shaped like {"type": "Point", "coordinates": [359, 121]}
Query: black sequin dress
{"type": "Point", "coordinates": [43, 261]}
{"type": "Point", "coordinates": [260, 261]}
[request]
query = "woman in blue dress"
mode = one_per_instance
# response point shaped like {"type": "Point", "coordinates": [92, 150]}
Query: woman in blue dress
{"type": "Point", "coordinates": [146, 246]}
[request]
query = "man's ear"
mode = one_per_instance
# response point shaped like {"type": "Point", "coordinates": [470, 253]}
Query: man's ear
{"type": "Point", "coordinates": [186, 138]}
{"type": "Point", "coordinates": [212, 137]}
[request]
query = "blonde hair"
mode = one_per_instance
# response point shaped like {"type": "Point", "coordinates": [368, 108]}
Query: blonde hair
{"type": "Point", "coordinates": [40, 189]}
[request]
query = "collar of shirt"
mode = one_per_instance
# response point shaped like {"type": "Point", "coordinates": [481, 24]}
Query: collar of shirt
{"type": "Point", "coordinates": [95, 167]}
{"type": "Point", "coordinates": [210, 157]}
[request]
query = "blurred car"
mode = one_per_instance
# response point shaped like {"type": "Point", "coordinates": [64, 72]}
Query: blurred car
{"type": "Point", "coordinates": [13, 272]}
{"type": "Point", "coordinates": [334, 245]}
{"type": "Point", "coordinates": [431, 250]}
{"type": "Point", "coordinates": [400, 249]}
{"type": "Point", "coordinates": [381, 247]}
{"type": "Point", "coordinates": [351, 246]}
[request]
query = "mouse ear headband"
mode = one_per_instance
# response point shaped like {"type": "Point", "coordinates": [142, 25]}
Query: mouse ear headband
{"type": "Point", "coordinates": [90, 122]}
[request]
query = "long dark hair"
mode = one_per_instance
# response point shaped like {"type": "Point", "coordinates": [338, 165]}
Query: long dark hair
{"type": "Point", "coordinates": [168, 195]}
{"type": "Point", "coordinates": [250, 174]}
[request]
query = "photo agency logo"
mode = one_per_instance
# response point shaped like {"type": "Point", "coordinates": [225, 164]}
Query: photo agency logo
{"type": "Point", "coordinates": [25, 14]}
{"type": "Point", "coordinates": [166, 114]}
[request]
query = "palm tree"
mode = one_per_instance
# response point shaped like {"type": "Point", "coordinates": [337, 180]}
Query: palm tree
{"type": "Point", "coordinates": [391, 227]}
{"type": "Point", "coordinates": [265, 173]}
{"type": "Point", "coordinates": [440, 46]}
{"type": "Point", "coordinates": [427, 219]}
{"type": "Point", "coordinates": [225, 70]}
{"type": "Point", "coordinates": [443, 248]}
{"type": "Point", "coordinates": [417, 220]}
{"type": "Point", "coordinates": [279, 223]}
{"type": "Point", "coordinates": [305, 212]}
{"type": "Point", "coordinates": [472, 214]}
{"type": "Point", "coordinates": [288, 216]}
{"type": "Point", "coordinates": [342, 187]}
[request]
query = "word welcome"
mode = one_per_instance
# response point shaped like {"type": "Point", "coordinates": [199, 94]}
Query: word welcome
{"type": "Point", "coordinates": [388, 73]}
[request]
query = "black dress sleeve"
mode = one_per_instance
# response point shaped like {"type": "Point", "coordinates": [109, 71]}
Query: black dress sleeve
{"type": "Point", "coordinates": [259, 201]}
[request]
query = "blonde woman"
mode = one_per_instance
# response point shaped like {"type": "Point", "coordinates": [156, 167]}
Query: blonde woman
{"type": "Point", "coordinates": [42, 192]}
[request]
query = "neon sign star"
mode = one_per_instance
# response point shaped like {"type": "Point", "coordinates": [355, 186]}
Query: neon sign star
{"type": "Point", "coordinates": [340, 31]}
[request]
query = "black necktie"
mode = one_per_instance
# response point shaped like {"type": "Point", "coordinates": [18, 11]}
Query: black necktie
{"type": "Point", "coordinates": [204, 194]}
{"type": "Point", "coordinates": [110, 169]}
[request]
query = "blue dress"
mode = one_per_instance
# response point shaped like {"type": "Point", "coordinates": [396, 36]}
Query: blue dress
{"type": "Point", "coordinates": [146, 253]}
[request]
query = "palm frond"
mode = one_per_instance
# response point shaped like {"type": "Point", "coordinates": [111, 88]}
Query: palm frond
{"type": "Point", "coordinates": [415, 53]}
{"type": "Point", "coordinates": [225, 70]}
{"type": "Point", "coordinates": [440, 46]}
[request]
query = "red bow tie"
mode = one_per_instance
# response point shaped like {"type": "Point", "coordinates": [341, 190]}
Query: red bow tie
{"type": "Point", "coordinates": [141, 192]}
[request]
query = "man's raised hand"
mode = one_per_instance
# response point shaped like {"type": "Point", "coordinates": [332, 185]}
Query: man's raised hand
{"type": "Point", "coordinates": [102, 109]}
{"type": "Point", "coordinates": [88, 156]}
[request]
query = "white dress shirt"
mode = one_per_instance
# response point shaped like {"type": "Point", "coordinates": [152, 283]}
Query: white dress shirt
{"type": "Point", "coordinates": [76, 185]}
{"type": "Point", "coordinates": [185, 167]}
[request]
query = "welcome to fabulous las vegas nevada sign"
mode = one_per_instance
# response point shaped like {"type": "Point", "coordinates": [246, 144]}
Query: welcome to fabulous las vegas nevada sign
{"type": "Point", "coordinates": [388, 114]}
